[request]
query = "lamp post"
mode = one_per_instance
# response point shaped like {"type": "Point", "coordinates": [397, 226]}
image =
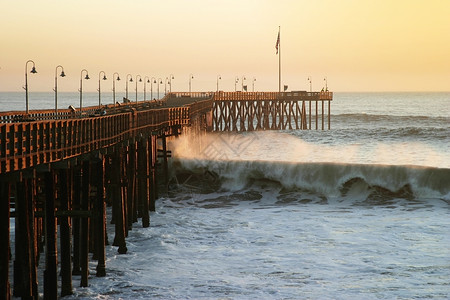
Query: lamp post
{"type": "Point", "coordinates": [140, 80]}
{"type": "Point", "coordinates": [99, 92]}
{"type": "Point", "coordinates": [190, 78]}
{"type": "Point", "coordinates": [253, 84]}
{"type": "Point", "coordinates": [170, 82]}
{"type": "Point", "coordinates": [33, 71]}
{"type": "Point", "coordinates": [152, 81]}
{"type": "Point", "coordinates": [114, 86]}
{"type": "Point", "coordinates": [81, 88]}
{"type": "Point", "coordinates": [126, 86]}
{"type": "Point", "coordinates": [56, 85]}
{"type": "Point", "coordinates": [310, 84]}
{"type": "Point", "coordinates": [159, 82]}
{"type": "Point", "coordinates": [243, 78]}
{"type": "Point", "coordinates": [218, 77]}
{"type": "Point", "coordinates": [167, 81]}
{"type": "Point", "coordinates": [236, 80]}
{"type": "Point", "coordinates": [146, 80]}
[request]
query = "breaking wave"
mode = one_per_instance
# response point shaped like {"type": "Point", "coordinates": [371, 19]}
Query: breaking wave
{"type": "Point", "coordinates": [331, 180]}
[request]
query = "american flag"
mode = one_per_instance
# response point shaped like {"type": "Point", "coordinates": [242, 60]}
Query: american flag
{"type": "Point", "coordinates": [278, 42]}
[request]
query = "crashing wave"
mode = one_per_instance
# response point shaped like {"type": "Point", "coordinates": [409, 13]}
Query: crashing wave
{"type": "Point", "coordinates": [373, 182]}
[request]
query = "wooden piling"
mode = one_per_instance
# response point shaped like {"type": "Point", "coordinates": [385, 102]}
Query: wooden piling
{"type": "Point", "coordinates": [329, 116]}
{"type": "Point", "coordinates": [50, 272]}
{"type": "Point", "coordinates": [25, 284]}
{"type": "Point", "coordinates": [131, 188]}
{"type": "Point", "coordinates": [143, 182]}
{"type": "Point", "coordinates": [65, 234]}
{"type": "Point", "coordinates": [5, 195]}
{"type": "Point", "coordinates": [119, 219]}
{"type": "Point", "coordinates": [165, 161]}
{"type": "Point", "coordinates": [77, 178]}
{"type": "Point", "coordinates": [153, 173]}
{"type": "Point", "coordinates": [84, 225]}
{"type": "Point", "coordinates": [100, 218]}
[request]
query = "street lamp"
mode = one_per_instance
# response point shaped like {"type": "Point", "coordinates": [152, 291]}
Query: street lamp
{"type": "Point", "coordinates": [114, 86]}
{"type": "Point", "coordinates": [140, 80]}
{"type": "Point", "coordinates": [146, 80]}
{"type": "Point", "coordinates": [56, 85]}
{"type": "Point", "coordinates": [243, 78]}
{"type": "Point", "coordinates": [81, 88]}
{"type": "Point", "coordinates": [126, 86]}
{"type": "Point", "coordinates": [310, 84]}
{"type": "Point", "coordinates": [218, 77]}
{"type": "Point", "coordinates": [236, 80]}
{"type": "Point", "coordinates": [170, 82]}
{"type": "Point", "coordinates": [253, 84]}
{"type": "Point", "coordinates": [159, 82]}
{"type": "Point", "coordinates": [190, 78]}
{"type": "Point", "coordinates": [165, 85]}
{"type": "Point", "coordinates": [99, 93]}
{"type": "Point", "coordinates": [152, 81]}
{"type": "Point", "coordinates": [33, 71]}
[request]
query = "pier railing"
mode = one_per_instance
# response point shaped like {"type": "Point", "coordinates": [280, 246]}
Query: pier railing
{"type": "Point", "coordinates": [70, 113]}
{"type": "Point", "coordinates": [286, 96]}
{"type": "Point", "coordinates": [25, 144]}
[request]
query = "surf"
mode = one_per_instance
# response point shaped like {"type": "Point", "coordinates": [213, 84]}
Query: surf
{"type": "Point", "coordinates": [328, 179]}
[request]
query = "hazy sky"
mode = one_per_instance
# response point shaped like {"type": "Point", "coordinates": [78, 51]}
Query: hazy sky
{"type": "Point", "coordinates": [359, 45]}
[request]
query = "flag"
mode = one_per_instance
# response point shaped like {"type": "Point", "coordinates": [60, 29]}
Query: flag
{"type": "Point", "coordinates": [278, 41]}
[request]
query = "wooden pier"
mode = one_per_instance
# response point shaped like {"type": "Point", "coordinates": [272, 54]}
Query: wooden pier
{"type": "Point", "coordinates": [237, 111]}
{"type": "Point", "coordinates": [61, 169]}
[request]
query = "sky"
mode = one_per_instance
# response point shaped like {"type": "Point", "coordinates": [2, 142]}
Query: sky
{"type": "Point", "coordinates": [356, 45]}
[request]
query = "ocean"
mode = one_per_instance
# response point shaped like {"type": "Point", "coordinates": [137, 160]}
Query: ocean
{"type": "Point", "coordinates": [361, 211]}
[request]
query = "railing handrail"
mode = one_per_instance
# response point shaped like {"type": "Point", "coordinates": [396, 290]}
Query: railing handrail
{"type": "Point", "coordinates": [254, 96]}
{"type": "Point", "coordinates": [26, 144]}
{"type": "Point", "coordinates": [49, 114]}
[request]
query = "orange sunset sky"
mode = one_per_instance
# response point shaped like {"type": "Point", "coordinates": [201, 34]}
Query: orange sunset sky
{"type": "Point", "coordinates": [358, 45]}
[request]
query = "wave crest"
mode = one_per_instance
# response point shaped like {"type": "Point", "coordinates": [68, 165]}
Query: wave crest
{"type": "Point", "coordinates": [374, 182]}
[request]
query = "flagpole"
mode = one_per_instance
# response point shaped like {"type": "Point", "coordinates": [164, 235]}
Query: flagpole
{"type": "Point", "coordinates": [279, 61]}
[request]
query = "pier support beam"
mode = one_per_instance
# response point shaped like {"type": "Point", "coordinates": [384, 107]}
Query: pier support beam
{"type": "Point", "coordinates": [65, 234]}
{"type": "Point", "coordinates": [5, 194]}
{"type": "Point", "coordinates": [100, 218]}
{"type": "Point", "coordinates": [130, 169]}
{"type": "Point", "coordinates": [152, 168]}
{"type": "Point", "coordinates": [118, 203]}
{"type": "Point", "coordinates": [25, 265]}
{"type": "Point", "coordinates": [50, 273]}
{"type": "Point", "coordinates": [143, 181]}
{"type": "Point", "coordinates": [84, 226]}
{"type": "Point", "coordinates": [165, 161]}
{"type": "Point", "coordinates": [329, 116]}
{"type": "Point", "coordinates": [77, 174]}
